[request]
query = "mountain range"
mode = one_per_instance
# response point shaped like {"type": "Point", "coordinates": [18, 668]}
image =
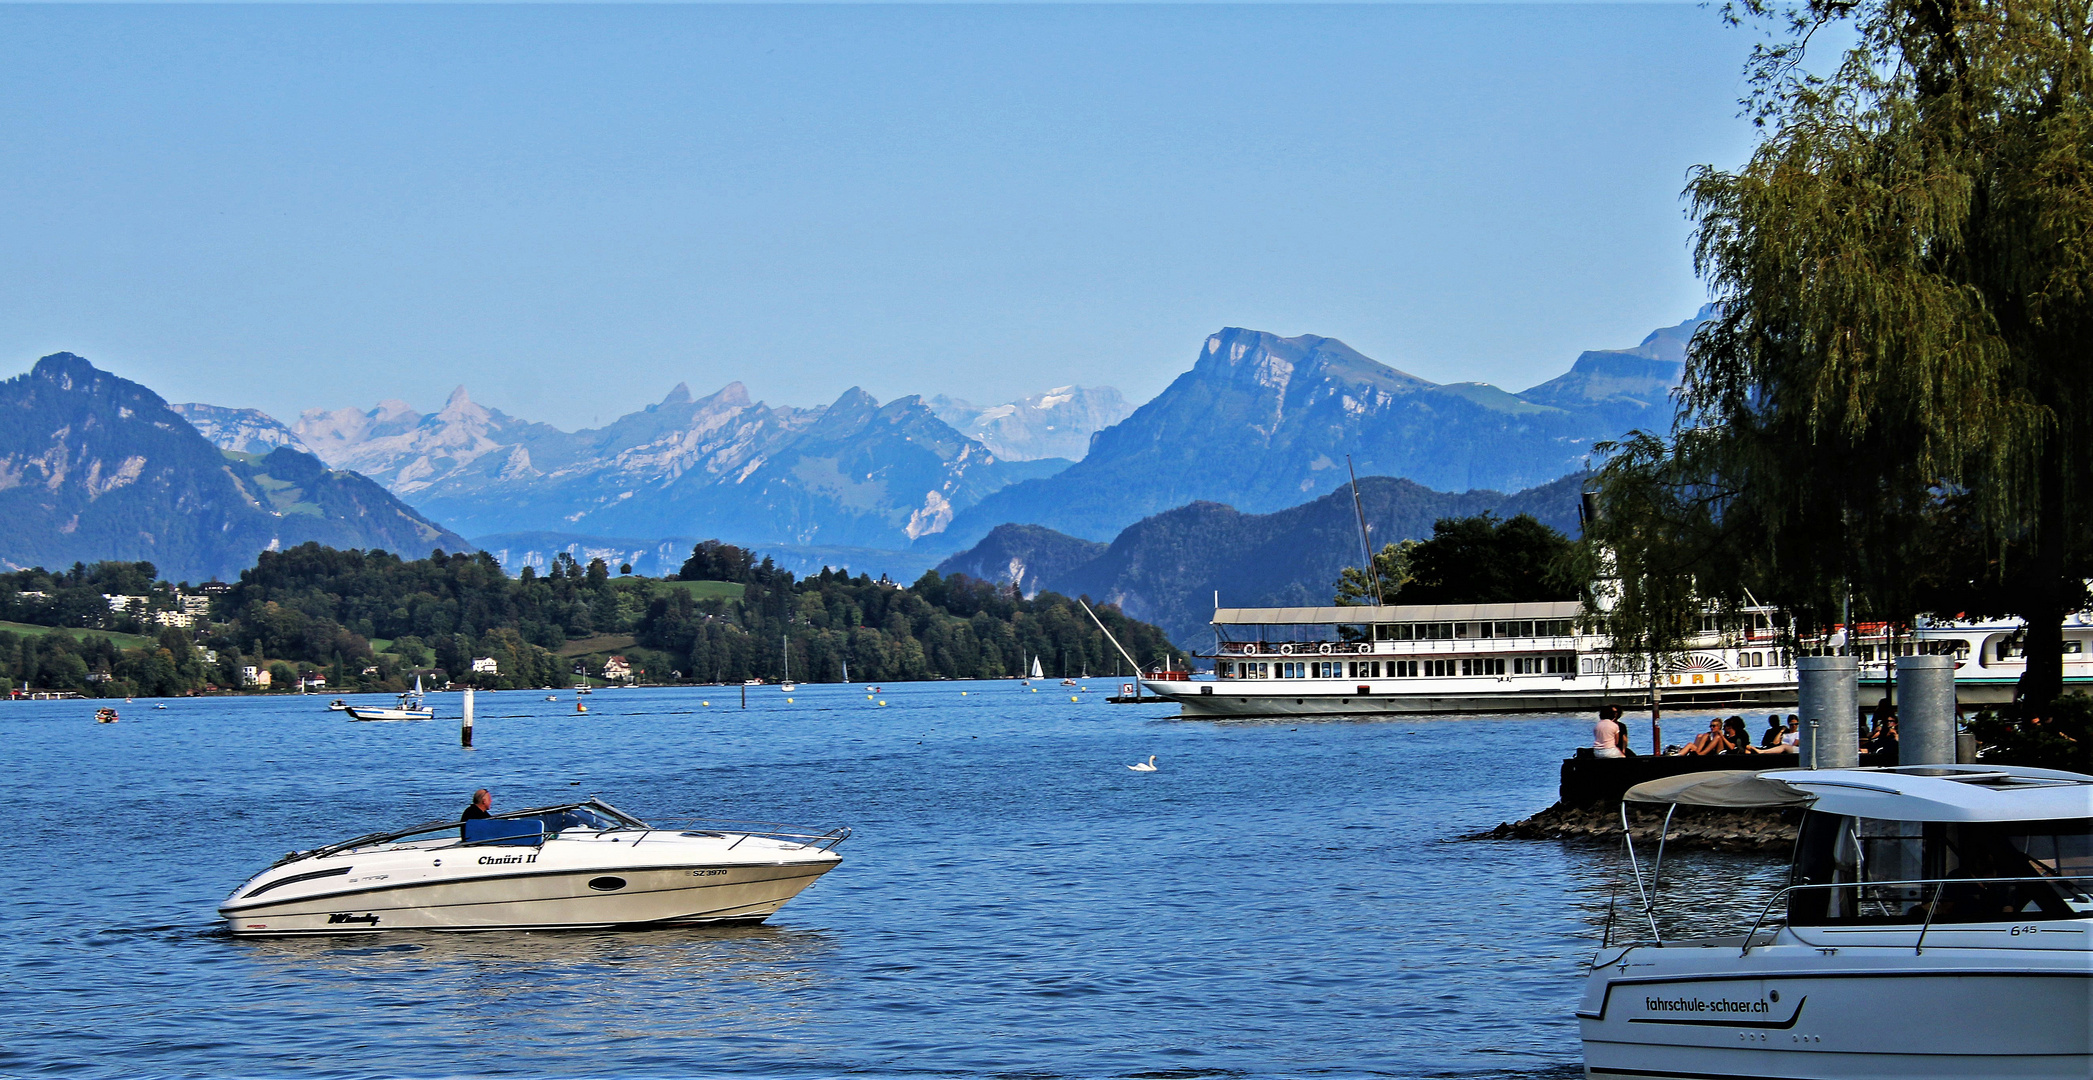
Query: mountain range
{"type": "Point", "coordinates": [1262, 423]}
{"type": "Point", "coordinates": [853, 473]}
{"type": "Point", "coordinates": [1167, 569]}
{"type": "Point", "coordinates": [93, 467]}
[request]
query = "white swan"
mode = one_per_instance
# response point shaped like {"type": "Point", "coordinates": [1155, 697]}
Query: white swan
{"type": "Point", "coordinates": [1144, 766]}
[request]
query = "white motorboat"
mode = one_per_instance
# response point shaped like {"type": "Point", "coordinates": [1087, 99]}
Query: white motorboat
{"type": "Point", "coordinates": [555, 867]}
{"type": "Point", "coordinates": [409, 707]}
{"type": "Point", "coordinates": [1938, 922]}
{"type": "Point", "coordinates": [338, 705]}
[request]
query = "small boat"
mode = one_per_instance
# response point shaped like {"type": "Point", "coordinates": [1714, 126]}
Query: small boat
{"type": "Point", "coordinates": [409, 707]}
{"type": "Point", "coordinates": [1938, 920]}
{"type": "Point", "coordinates": [576, 865]}
{"type": "Point", "coordinates": [1068, 682]}
{"type": "Point", "coordinates": [550, 697]}
{"type": "Point", "coordinates": [785, 653]}
{"type": "Point", "coordinates": [338, 705]}
{"type": "Point", "coordinates": [1037, 671]}
{"type": "Point", "coordinates": [105, 715]}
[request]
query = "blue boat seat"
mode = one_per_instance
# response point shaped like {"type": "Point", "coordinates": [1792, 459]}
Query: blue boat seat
{"type": "Point", "coordinates": [520, 832]}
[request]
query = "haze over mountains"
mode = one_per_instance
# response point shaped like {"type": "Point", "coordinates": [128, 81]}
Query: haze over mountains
{"type": "Point", "coordinates": [95, 467]}
{"type": "Point", "coordinates": [1055, 424]}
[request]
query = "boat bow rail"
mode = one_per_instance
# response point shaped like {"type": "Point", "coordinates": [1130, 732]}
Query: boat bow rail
{"type": "Point", "coordinates": [805, 836]}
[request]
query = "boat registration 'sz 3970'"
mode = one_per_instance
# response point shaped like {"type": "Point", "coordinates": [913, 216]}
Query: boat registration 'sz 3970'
{"type": "Point", "coordinates": [1938, 923]}
{"type": "Point", "coordinates": [577, 865]}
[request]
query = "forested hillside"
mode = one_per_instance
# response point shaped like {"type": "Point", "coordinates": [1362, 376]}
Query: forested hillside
{"type": "Point", "coordinates": [369, 620]}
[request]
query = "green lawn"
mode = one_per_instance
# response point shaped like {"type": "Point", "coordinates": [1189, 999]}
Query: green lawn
{"type": "Point", "coordinates": [707, 590]}
{"type": "Point", "coordinates": [123, 641]}
{"type": "Point", "coordinates": [601, 643]}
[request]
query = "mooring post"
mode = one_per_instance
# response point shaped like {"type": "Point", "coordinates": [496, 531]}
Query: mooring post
{"type": "Point", "coordinates": [1828, 698]}
{"type": "Point", "coordinates": [1926, 710]}
{"type": "Point", "coordinates": [465, 725]}
{"type": "Point", "coordinates": [744, 695]}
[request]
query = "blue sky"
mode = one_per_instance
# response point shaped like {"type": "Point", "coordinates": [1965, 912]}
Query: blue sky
{"type": "Point", "coordinates": [570, 209]}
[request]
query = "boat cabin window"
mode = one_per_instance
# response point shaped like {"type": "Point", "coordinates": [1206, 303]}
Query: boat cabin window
{"type": "Point", "coordinates": [1905, 872]}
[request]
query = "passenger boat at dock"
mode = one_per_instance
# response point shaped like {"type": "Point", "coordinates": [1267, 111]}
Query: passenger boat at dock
{"type": "Point", "coordinates": [571, 866]}
{"type": "Point", "coordinates": [1938, 922]}
{"type": "Point", "coordinates": [1464, 658]}
{"type": "Point", "coordinates": [1542, 657]}
{"type": "Point", "coordinates": [1990, 655]}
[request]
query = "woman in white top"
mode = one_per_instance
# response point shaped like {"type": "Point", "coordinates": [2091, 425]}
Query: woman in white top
{"type": "Point", "coordinates": [1606, 734]}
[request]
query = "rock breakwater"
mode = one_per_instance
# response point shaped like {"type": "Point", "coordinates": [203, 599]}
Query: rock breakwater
{"type": "Point", "coordinates": [1691, 827]}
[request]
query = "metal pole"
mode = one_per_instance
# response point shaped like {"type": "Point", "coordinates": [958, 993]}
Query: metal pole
{"type": "Point", "coordinates": [465, 725]}
{"type": "Point", "coordinates": [1373, 573]}
{"type": "Point", "coordinates": [1108, 635]}
{"type": "Point", "coordinates": [1828, 697]}
{"type": "Point", "coordinates": [1926, 717]}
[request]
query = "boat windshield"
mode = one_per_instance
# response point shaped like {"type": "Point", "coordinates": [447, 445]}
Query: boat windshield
{"type": "Point", "coordinates": [576, 817]}
{"type": "Point", "coordinates": [1896, 872]}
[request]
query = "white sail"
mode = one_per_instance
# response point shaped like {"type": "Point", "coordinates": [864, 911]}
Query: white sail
{"type": "Point", "coordinates": [1036, 672]}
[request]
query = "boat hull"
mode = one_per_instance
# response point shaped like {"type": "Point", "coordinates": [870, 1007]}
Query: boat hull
{"type": "Point", "coordinates": [1226, 698]}
{"type": "Point", "coordinates": [389, 714]}
{"type": "Point", "coordinates": [560, 899]}
{"type": "Point", "coordinates": [1808, 1013]}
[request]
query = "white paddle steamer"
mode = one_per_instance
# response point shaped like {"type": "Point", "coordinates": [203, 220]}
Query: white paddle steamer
{"type": "Point", "coordinates": [1465, 658]}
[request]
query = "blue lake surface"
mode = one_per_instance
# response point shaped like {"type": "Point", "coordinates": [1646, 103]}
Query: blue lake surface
{"type": "Point", "coordinates": [1279, 899]}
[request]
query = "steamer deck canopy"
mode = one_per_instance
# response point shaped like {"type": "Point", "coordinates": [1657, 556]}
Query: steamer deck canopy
{"type": "Point", "coordinates": [1401, 623]}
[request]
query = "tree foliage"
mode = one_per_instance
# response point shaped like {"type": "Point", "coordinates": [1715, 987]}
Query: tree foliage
{"type": "Point", "coordinates": [1893, 399]}
{"type": "Point", "coordinates": [371, 620]}
{"type": "Point", "coordinates": [1480, 559]}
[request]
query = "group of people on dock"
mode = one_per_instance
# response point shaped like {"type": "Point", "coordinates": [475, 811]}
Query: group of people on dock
{"type": "Point", "coordinates": [1729, 736]}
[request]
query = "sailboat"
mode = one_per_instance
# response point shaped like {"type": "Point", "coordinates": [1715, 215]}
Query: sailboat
{"type": "Point", "coordinates": [409, 707]}
{"type": "Point", "coordinates": [1037, 673]}
{"type": "Point", "coordinates": [785, 653]}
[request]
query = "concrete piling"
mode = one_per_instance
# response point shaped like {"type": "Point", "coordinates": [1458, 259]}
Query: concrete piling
{"type": "Point", "coordinates": [1926, 710]}
{"type": "Point", "coordinates": [1828, 689]}
{"type": "Point", "coordinates": [465, 724]}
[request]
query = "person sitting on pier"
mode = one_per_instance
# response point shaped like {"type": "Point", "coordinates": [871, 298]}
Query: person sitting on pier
{"type": "Point", "coordinates": [1606, 734]}
{"type": "Point", "coordinates": [1787, 740]}
{"type": "Point", "coordinates": [1707, 743]}
{"type": "Point", "coordinates": [1620, 731]}
{"type": "Point", "coordinates": [1736, 737]}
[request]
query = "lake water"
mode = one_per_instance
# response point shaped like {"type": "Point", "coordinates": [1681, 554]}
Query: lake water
{"type": "Point", "coordinates": [1285, 898]}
